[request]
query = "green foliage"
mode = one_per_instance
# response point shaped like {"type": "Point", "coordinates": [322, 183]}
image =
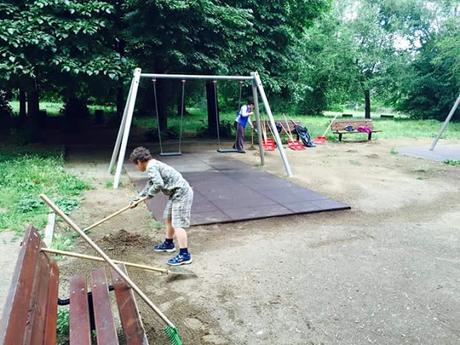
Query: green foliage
{"type": "Point", "coordinates": [62, 325]}
{"type": "Point", "coordinates": [452, 162]}
{"type": "Point", "coordinates": [431, 87]}
{"type": "Point", "coordinates": [24, 174]}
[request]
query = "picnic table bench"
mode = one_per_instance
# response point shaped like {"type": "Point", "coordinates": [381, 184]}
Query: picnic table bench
{"type": "Point", "coordinates": [340, 127]}
{"type": "Point", "coordinates": [30, 313]}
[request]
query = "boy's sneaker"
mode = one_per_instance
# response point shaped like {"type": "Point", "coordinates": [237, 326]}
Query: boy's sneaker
{"type": "Point", "coordinates": [164, 247]}
{"type": "Point", "coordinates": [180, 259]}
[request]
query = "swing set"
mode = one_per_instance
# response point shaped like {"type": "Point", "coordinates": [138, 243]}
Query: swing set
{"type": "Point", "coordinates": [119, 151]}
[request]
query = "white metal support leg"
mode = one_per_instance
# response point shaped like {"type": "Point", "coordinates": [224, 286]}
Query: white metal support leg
{"type": "Point", "coordinates": [256, 111]}
{"type": "Point", "coordinates": [129, 117]}
{"type": "Point", "coordinates": [116, 148]}
{"type": "Point", "coordinates": [287, 167]}
{"type": "Point", "coordinates": [446, 122]}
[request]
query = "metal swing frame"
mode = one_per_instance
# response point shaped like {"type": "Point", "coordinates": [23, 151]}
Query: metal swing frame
{"type": "Point", "coordinates": [121, 143]}
{"type": "Point", "coordinates": [172, 153]}
{"type": "Point", "coordinates": [220, 149]}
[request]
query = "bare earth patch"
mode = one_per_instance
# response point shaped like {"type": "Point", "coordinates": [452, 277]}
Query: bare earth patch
{"type": "Point", "coordinates": [384, 272]}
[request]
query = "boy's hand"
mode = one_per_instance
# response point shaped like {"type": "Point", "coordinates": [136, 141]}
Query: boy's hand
{"type": "Point", "coordinates": [134, 202]}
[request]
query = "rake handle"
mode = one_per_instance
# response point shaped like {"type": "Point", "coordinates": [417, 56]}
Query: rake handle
{"type": "Point", "coordinates": [116, 213]}
{"type": "Point", "coordinates": [107, 259]}
{"type": "Point", "coordinates": [96, 258]}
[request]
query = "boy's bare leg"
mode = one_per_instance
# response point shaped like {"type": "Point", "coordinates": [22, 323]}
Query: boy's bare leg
{"type": "Point", "coordinates": [169, 229]}
{"type": "Point", "coordinates": [181, 236]}
{"type": "Point", "coordinates": [180, 233]}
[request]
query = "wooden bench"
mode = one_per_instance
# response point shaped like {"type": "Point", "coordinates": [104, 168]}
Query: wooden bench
{"type": "Point", "coordinates": [30, 313]}
{"type": "Point", "coordinates": [338, 127]}
{"type": "Point", "coordinates": [291, 124]}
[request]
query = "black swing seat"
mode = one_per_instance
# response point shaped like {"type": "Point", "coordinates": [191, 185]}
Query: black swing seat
{"type": "Point", "coordinates": [163, 154]}
{"type": "Point", "coordinates": [227, 150]}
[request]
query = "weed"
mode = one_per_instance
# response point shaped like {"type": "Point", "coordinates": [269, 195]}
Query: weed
{"type": "Point", "coordinates": [62, 325]}
{"type": "Point", "coordinates": [109, 184]}
{"type": "Point", "coordinates": [452, 162]}
{"type": "Point", "coordinates": [63, 241]}
{"type": "Point", "coordinates": [25, 173]}
{"type": "Point", "coordinates": [393, 151]}
{"type": "Point", "coordinates": [156, 224]}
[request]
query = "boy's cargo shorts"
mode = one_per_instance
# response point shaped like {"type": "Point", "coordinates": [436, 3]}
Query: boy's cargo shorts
{"type": "Point", "coordinates": [179, 207]}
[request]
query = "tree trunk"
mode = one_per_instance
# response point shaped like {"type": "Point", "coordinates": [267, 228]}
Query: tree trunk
{"type": "Point", "coordinates": [120, 99]}
{"type": "Point", "coordinates": [213, 108]}
{"type": "Point", "coordinates": [33, 109]}
{"type": "Point", "coordinates": [22, 104]}
{"type": "Point", "coordinates": [367, 104]}
{"type": "Point", "coordinates": [33, 103]}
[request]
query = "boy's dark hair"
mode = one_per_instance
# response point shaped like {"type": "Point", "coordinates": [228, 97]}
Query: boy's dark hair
{"type": "Point", "coordinates": [140, 154]}
{"type": "Point", "coordinates": [250, 101]}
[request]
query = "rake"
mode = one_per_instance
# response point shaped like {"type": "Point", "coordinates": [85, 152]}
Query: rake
{"type": "Point", "coordinates": [170, 329]}
{"type": "Point", "coordinates": [172, 271]}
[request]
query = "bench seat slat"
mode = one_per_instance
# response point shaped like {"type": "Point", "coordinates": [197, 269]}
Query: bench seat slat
{"type": "Point", "coordinates": [128, 310]}
{"type": "Point", "coordinates": [80, 332]}
{"type": "Point", "coordinates": [51, 312]}
{"type": "Point", "coordinates": [105, 326]}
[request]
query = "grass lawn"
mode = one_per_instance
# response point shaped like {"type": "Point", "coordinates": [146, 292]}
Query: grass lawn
{"type": "Point", "coordinates": [24, 174]}
{"type": "Point", "coordinates": [400, 127]}
{"type": "Point", "coordinates": [54, 108]}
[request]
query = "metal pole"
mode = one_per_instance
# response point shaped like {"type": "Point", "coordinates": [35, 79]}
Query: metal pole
{"type": "Point", "coordinates": [287, 167]}
{"type": "Point", "coordinates": [446, 122]}
{"type": "Point", "coordinates": [191, 76]}
{"type": "Point", "coordinates": [120, 130]}
{"type": "Point", "coordinates": [124, 143]}
{"type": "Point", "coordinates": [256, 111]}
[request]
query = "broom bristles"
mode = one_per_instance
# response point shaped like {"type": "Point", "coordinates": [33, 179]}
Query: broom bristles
{"type": "Point", "coordinates": [173, 335]}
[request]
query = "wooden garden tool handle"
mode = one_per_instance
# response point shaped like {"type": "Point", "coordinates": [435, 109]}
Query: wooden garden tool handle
{"type": "Point", "coordinates": [330, 124]}
{"type": "Point", "coordinates": [112, 264]}
{"type": "Point", "coordinates": [96, 258]}
{"type": "Point", "coordinates": [116, 213]}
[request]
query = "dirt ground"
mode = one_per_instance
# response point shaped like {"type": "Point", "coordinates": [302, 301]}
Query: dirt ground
{"type": "Point", "coordinates": [385, 272]}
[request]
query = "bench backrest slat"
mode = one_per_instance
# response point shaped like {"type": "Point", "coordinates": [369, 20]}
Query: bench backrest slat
{"type": "Point", "coordinates": [105, 327]}
{"type": "Point", "coordinates": [80, 331]}
{"type": "Point", "coordinates": [339, 125]}
{"type": "Point", "coordinates": [129, 312]}
{"type": "Point", "coordinates": [34, 333]}
{"type": "Point", "coordinates": [24, 316]}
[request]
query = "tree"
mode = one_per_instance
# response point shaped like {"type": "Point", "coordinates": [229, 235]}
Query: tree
{"type": "Point", "coordinates": [432, 84]}
{"type": "Point", "coordinates": [362, 46]}
{"type": "Point", "coordinates": [50, 43]}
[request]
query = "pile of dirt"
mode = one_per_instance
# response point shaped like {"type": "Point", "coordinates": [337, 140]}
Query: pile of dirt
{"type": "Point", "coordinates": [123, 238]}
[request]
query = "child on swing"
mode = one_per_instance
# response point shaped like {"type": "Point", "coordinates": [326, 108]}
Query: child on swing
{"type": "Point", "coordinates": [162, 177]}
{"type": "Point", "coordinates": [242, 120]}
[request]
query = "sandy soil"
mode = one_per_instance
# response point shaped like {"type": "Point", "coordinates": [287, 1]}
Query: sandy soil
{"type": "Point", "coordinates": [387, 271]}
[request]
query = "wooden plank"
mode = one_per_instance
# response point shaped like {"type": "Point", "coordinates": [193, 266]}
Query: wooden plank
{"type": "Point", "coordinates": [80, 332]}
{"type": "Point", "coordinates": [51, 312]}
{"type": "Point", "coordinates": [128, 310]}
{"type": "Point", "coordinates": [103, 317]}
{"type": "Point", "coordinates": [49, 230]}
{"type": "Point", "coordinates": [37, 313]}
{"type": "Point", "coordinates": [16, 311]}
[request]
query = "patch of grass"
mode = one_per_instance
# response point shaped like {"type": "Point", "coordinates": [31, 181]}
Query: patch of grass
{"type": "Point", "coordinates": [25, 173]}
{"type": "Point", "coordinates": [63, 241]}
{"type": "Point", "coordinates": [400, 127]}
{"type": "Point", "coordinates": [62, 325]}
{"type": "Point", "coordinates": [452, 162]}
{"type": "Point", "coordinates": [156, 225]}
{"type": "Point", "coordinates": [393, 151]}
{"type": "Point", "coordinates": [109, 184]}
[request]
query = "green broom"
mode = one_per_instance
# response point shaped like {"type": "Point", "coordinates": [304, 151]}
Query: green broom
{"type": "Point", "coordinates": [170, 329]}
